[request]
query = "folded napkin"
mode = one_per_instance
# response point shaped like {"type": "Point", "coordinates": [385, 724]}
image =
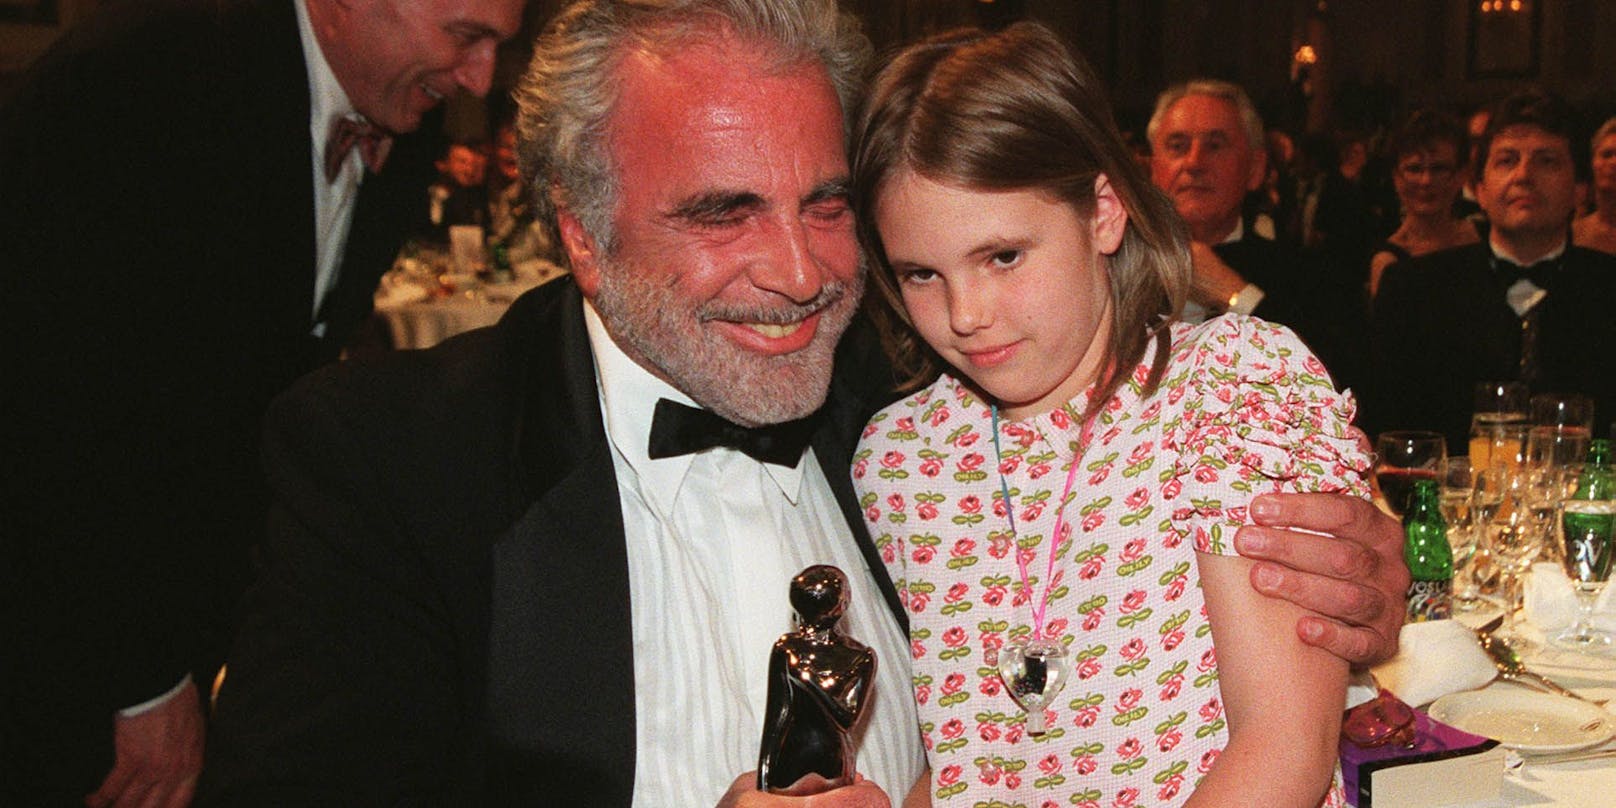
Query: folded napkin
{"type": "Point", "coordinates": [1551, 602]}
{"type": "Point", "coordinates": [1434, 658]}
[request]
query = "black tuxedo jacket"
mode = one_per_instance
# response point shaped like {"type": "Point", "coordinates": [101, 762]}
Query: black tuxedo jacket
{"type": "Point", "coordinates": [445, 616]}
{"type": "Point", "coordinates": [157, 227]}
{"type": "Point", "coordinates": [1442, 325]}
{"type": "Point", "coordinates": [1306, 293]}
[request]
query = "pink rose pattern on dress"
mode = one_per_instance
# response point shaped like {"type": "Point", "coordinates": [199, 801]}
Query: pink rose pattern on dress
{"type": "Point", "coordinates": [1243, 409]}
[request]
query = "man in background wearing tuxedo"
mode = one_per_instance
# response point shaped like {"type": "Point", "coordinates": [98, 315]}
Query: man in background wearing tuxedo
{"type": "Point", "coordinates": [199, 198]}
{"type": "Point", "coordinates": [1206, 153]}
{"type": "Point", "coordinates": [1523, 304]}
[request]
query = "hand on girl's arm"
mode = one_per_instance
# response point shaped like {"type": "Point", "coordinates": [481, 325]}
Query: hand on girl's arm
{"type": "Point", "coordinates": [1349, 582]}
{"type": "Point", "coordinates": [1282, 698]}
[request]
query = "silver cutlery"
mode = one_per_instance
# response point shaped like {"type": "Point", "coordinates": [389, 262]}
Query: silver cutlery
{"type": "Point", "coordinates": [1510, 668]}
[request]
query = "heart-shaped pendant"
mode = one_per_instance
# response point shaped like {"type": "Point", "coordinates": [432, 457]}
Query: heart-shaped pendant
{"type": "Point", "coordinates": [1034, 673]}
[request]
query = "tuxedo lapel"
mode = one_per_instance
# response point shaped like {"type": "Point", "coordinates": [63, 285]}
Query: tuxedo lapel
{"type": "Point", "coordinates": [560, 646]}
{"type": "Point", "coordinates": [275, 155]}
{"type": "Point", "coordinates": [861, 373]}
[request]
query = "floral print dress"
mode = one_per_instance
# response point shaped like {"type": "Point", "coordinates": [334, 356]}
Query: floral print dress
{"type": "Point", "coordinates": [1243, 409]}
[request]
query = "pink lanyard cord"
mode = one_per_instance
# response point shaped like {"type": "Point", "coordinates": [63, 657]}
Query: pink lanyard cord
{"type": "Point", "coordinates": [1039, 627]}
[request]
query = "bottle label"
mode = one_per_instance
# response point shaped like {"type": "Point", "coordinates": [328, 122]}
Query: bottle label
{"type": "Point", "coordinates": [1430, 600]}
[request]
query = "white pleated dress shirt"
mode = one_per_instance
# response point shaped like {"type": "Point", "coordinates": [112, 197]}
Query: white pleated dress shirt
{"type": "Point", "coordinates": [713, 541]}
{"type": "Point", "coordinates": [333, 201]}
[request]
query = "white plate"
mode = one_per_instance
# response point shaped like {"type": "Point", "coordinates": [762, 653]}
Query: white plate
{"type": "Point", "coordinates": [1529, 722]}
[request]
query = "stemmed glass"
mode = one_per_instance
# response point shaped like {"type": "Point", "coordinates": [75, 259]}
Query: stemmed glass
{"type": "Point", "coordinates": [1403, 457]}
{"type": "Point", "coordinates": [1586, 528]}
{"type": "Point", "coordinates": [1498, 423]}
{"type": "Point", "coordinates": [1458, 492]}
{"type": "Point", "coordinates": [1561, 427]}
{"type": "Point", "coordinates": [1507, 507]}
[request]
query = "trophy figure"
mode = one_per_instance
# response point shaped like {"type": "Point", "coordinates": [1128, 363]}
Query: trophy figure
{"type": "Point", "coordinates": [819, 685]}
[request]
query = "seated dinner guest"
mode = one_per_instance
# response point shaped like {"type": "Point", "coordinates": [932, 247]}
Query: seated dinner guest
{"type": "Point", "coordinates": [1066, 486]}
{"type": "Point", "coordinates": [1524, 305]}
{"type": "Point", "coordinates": [543, 563]}
{"type": "Point", "coordinates": [1428, 171]}
{"type": "Point", "coordinates": [1207, 154]}
{"type": "Point", "coordinates": [458, 197]}
{"type": "Point", "coordinates": [1597, 230]}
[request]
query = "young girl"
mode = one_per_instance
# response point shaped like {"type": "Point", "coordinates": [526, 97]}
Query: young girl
{"type": "Point", "coordinates": [1065, 495]}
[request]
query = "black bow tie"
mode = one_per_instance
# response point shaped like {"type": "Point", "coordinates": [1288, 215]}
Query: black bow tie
{"type": "Point", "coordinates": [680, 430]}
{"type": "Point", "coordinates": [1541, 274]}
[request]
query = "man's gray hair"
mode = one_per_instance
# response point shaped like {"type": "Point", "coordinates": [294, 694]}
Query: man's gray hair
{"type": "Point", "coordinates": [1250, 121]}
{"type": "Point", "coordinates": [568, 94]}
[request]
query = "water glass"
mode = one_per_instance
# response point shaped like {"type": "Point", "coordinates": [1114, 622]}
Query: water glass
{"type": "Point", "coordinates": [1586, 535]}
{"type": "Point", "coordinates": [1506, 508]}
{"type": "Point", "coordinates": [1458, 492]}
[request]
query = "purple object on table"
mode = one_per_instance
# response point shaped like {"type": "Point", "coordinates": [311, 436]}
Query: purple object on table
{"type": "Point", "coordinates": [1433, 741]}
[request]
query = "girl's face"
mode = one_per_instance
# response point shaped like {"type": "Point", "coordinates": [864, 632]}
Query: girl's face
{"type": "Point", "coordinates": [1010, 287]}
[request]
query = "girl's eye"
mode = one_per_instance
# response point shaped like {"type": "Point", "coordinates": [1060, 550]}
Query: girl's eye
{"type": "Point", "coordinates": [1006, 258]}
{"type": "Point", "coordinates": [916, 276]}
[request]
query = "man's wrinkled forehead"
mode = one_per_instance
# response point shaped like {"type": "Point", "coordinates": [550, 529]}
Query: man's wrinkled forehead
{"type": "Point", "coordinates": [1203, 113]}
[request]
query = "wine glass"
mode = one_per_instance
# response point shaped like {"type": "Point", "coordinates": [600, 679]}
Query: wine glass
{"type": "Point", "coordinates": [1498, 423]}
{"type": "Point", "coordinates": [1458, 492]}
{"type": "Point", "coordinates": [1586, 528]}
{"type": "Point", "coordinates": [1401, 458]}
{"type": "Point", "coordinates": [1561, 427]}
{"type": "Point", "coordinates": [1506, 498]}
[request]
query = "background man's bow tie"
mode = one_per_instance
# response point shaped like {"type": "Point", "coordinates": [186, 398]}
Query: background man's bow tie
{"type": "Point", "coordinates": [679, 430]}
{"type": "Point", "coordinates": [373, 143]}
{"type": "Point", "coordinates": [1541, 274]}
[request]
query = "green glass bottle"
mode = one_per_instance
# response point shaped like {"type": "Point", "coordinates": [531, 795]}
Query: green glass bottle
{"type": "Point", "coordinates": [1589, 519]}
{"type": "Point", "coordinates": [503, 273]}
{"type": "Point", "coordinates": [1428, 555]}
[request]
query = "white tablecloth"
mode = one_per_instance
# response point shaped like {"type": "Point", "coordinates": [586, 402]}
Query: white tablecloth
{"type": "Point", "coordinates": [418, 315]}
{"type": "Point", "coordinates": [1582, 784]}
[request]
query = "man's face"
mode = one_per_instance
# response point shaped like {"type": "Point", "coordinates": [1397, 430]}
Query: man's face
{"type": "Point", "coordinates": [1528, 186]}
{"type": "Point", "coordinates": [465, 166]}
{"type": "Point", "coordinates": [735, 268]}
{"type": "Point", "coordinates": [396, 59]}
{"type": "Point", "coordinates": [1201, 158]}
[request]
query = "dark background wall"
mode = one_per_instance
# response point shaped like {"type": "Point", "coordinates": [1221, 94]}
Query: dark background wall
{"type": "Point", "coordinates": [1375, 57]}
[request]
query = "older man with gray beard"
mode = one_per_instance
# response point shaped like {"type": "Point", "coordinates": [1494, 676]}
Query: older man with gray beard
{"type": "Point", "coordinates": [544, 562]}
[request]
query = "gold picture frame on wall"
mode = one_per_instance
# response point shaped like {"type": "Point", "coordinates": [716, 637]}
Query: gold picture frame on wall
{"type": "Point", "coordinates": [1504, 39]}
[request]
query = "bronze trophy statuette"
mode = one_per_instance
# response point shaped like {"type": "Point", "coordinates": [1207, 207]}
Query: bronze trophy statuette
{"type": "Point", "coordinates": [819, 685]}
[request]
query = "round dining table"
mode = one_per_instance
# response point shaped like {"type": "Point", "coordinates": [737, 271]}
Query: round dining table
{"type": "Point", "coordinates": [420, 308]}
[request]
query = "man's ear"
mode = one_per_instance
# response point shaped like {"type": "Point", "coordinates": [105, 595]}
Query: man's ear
{"type": "Point", "coordinates": [582, 251]}
{"type": "Point", "coordinates": [1259, 169]}
{"type": "Point", "coordinates": [1110, 218]}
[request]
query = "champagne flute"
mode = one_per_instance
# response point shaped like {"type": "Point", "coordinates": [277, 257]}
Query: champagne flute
{"type": "Point", "coordinates": [1402, 457]}
{"type": "Point", "coordinates": [1586, 530]}
{"type": "Point", "coordinates": [1515, 537]}
{"type": "Point", "coordinates": [1498, 423]}
{"type": "Point", "coordinates": [1458, 494]}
